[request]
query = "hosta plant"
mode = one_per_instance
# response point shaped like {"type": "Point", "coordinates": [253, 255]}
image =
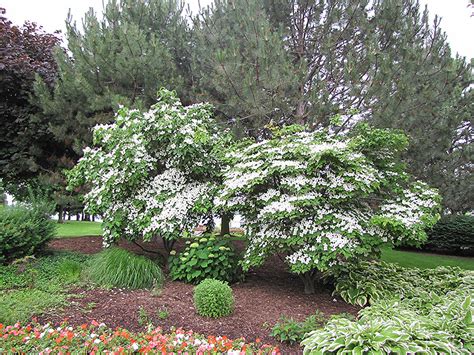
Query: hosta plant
{"type": "Point", "coordinates": [152, 174]}
{"type": "Point", "coordinates": [205, 257]}
{"type": "Point", "coordinates": [369, 281]}
{"type": "Point", "coordinates": [411, 311]}
{"type": "Point", "coordinates": [325, 200]}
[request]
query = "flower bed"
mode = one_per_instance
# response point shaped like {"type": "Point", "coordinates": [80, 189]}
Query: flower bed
{"type": "Point", "coordinates": [95, 337]}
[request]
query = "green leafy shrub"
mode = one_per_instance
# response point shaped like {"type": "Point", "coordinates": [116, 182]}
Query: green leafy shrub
{"type": "Point", "coordinates": [453, 234]}
{"type": "Point", "coordinates": [370, 281]}
{"type": "Point", "coordinates": [411, 310]}
{"type": "Point", "coordinates": [206, 257]}
{"type": "Point", "coordinates": [213, 298]}
{"type": "Point", "coordinates": [24, 230]}
{"type": "Point", "coordinates": [115, 267]}
{"type": "Point", "coordinates": [291, 331]}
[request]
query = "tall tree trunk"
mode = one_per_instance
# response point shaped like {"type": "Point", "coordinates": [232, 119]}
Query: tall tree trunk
{"type": "Point", "coordinates": [78, 216]}
{"type": "Point", "coordinates": [69, 215]}
{"type": "Point", "coordinates": [225, 223]}
{"type": "Point", "coordinates": [93, 218]}
{"type": "Point", "coordinates": [61, 214]}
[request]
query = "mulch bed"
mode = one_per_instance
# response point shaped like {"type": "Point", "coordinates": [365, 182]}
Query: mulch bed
{"type": "Point", "coordinates": [266, 294]}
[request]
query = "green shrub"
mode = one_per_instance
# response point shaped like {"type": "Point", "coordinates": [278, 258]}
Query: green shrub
{"type": "Point", "coordinates": [213, 298]}
{"type": "Point", "coordinates": [24, 230]}
{"type": "Point", "coordinates": [290, 331]}
{"type": "Point", "coordinates": [453, 234]}
{"type": "Point", "coordinates": [370, 281]}
{"type": "Point", "coordinates": [411, 311]}
{"type": "Point", "coordinates": [205, 257]}
{"type": "Point", "coordinates": [115, 267]}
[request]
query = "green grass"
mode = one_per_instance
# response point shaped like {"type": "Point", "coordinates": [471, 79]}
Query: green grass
{"type": "Point", "coordinates": [78, 229]}
{"type": "Point", "coordinates": [425, 260]}
{"type": "Point", "coordinates": [33, 287]}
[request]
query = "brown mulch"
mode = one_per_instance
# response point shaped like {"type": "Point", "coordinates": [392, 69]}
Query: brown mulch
{"type": "Point", "coordinates": [266, 294]}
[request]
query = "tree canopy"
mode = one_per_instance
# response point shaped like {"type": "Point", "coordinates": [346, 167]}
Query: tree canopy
{"type": "Point", "coordinates": [153, 174]}
{"type": "Point", "coordinates": [325, 200]}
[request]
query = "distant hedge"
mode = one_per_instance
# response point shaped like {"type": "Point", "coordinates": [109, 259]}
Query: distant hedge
{"type": "Point", "coordinates": [452, 234]}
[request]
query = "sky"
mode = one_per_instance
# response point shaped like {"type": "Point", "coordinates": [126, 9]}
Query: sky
{"type": "Point", "coordinates": [456, 17]}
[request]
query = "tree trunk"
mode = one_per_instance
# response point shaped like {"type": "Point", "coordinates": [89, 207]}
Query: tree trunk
{"type": "Point", "coordinates": [168, 244]}
{"type": "Point", "coordinates": [69, 216]}
{"type": "Point", "coordinates": [225, 223]}
{"type": "Point", "coordinates": [93, 218]}
{"type": "Point", "coordinates": [309, 280]}
{"type": "Point", "coordinates": [61, 214]}
{"type": "Point", "coordinates": [78, 216]}
{"type": "Point", "coordinates": [82, 215]}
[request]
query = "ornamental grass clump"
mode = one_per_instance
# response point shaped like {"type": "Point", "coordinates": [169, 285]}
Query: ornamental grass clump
{"type": "Point", "coordinates": [213, 298]}
{"type": "Point", "coordinates": [115, 267]}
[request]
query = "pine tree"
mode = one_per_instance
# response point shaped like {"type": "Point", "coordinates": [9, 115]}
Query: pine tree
{"type": "Point", "coordinates": [380, 61]}
{"type": "Point", "coordinates": [123, 59]}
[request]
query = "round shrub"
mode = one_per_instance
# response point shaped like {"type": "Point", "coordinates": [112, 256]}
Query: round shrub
{"type": "Point", "coordinates": [213, 298]}
{"type": "Point", "coordinates": [205, 257]}
{"type": "Point", "coordinates": [452, 234]}
{"type": "Point", "coordinates": [115, 267]}
{"type": "Point", "coordinates": [24, 230]}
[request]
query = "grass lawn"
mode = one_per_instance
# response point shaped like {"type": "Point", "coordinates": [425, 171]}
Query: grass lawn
{"type": "Point", "coordinates": [425, 260]}
{"type": "Point", "coordinates": [78, 229]}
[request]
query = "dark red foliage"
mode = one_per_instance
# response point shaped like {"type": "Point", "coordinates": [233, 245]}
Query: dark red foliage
{"type": "Point", "coordinates": [26, 145]}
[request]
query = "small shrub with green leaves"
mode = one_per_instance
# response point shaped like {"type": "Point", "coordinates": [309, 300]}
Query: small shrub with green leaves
{"type": "Point", "coordinates": [291, 331]}
{"type": "Point", "coordinates": [213, 298]}
{"type": "Point", "coordinates": [371, 281]}
{"type": "Point", "coordinates": [411, 311]}
{"type": "Point", "coordinates": [453, 234]}
{"type": "Point", "coordinates": [24, 230]}
{"type": "Point", "coordinates": [206, 257]}
{"type": "Point", "coordinates": [115, 267]}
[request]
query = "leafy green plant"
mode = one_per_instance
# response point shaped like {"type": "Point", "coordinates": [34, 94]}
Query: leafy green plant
{"type": "Point", "coordinates": [213, 298]}
{"type": "Point", "coordinates": [116, 267]}
{"type": "Point", "coordinates": [143, 317]}
{"type": "Point", "coordinates": [290, 331]}
{"type": "Point", "coordinates": [206, 257]}
{"type": "Point", "coordinates": [454, 234]}
{"type": "Point", "coordinates": [24, 230]}
{"type": "Point", "coordinates": [411, 311]}
{"type": "Point", "coordinates": [370, 281]}
{"type": "Point", "coordinates": [35, 286]}
{"type": "Point", "coordinates": [162, 313]}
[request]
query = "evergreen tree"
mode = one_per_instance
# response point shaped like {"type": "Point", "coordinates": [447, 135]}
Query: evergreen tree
{"type": "Point", "coordinates": [123, 59]}
{"type": "Point", "coordinates": [380, 61]}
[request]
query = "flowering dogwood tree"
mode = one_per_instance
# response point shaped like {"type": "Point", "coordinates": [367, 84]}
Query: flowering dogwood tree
{"type": "Point", "coordinates": [152, 174]}
{"type": "Point", "coordinates": [324, 200]}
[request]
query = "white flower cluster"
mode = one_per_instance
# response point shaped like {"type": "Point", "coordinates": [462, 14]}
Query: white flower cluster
{"type": "Point", "coordinates": [140, 180]}
{"type": "Point", "coordinates": [311, 197]}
